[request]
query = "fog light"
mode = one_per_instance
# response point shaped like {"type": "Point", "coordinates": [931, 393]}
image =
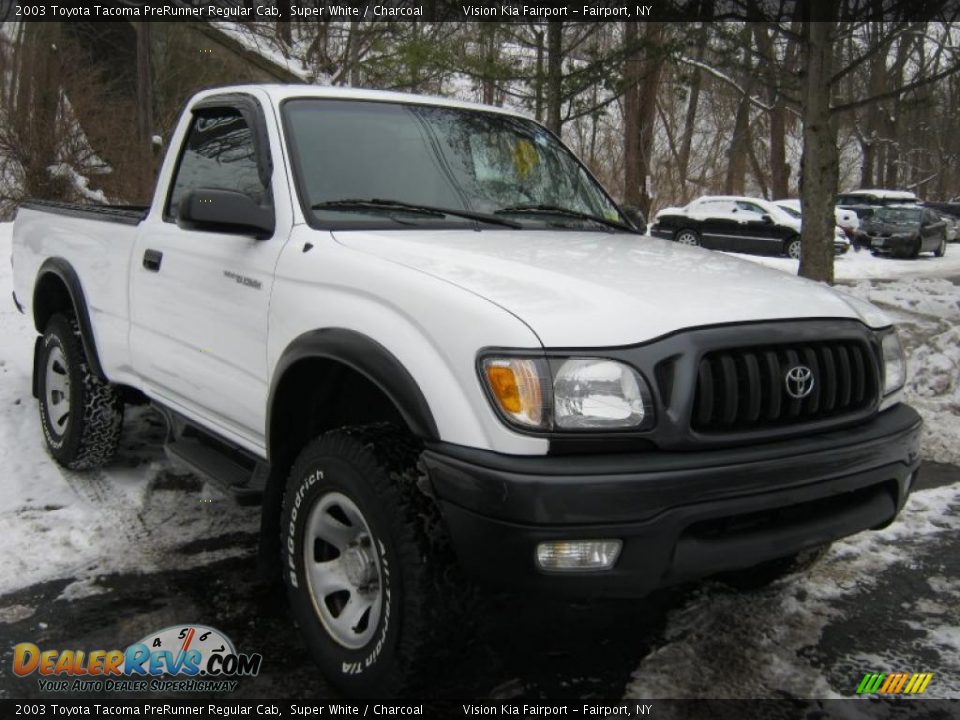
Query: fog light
{"type": "Point", "coordinates": [578, 554]}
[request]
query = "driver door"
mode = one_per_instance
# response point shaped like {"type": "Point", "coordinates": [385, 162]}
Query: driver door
{"type": "Point", "coordinates": [200, 298]}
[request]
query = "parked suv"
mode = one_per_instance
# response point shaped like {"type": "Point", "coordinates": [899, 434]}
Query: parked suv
{"type": "Point", "coordinates": [426, 339]}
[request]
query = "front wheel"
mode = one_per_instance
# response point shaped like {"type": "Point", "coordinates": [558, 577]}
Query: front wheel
{"type": "Point", "coordinates": [687, 237]}
{"type": "Point", "coordinates": [941, 248]}
{"type": "Point", "coordinates": [793, 248]}
{"type": "Point", "coordinates": [80, 414]}
{"type": "Point", "coordinates": [361, 559]}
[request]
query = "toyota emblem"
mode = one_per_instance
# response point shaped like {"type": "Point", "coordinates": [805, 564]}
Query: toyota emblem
{"type": "Point", "coordinates": [799, 382]}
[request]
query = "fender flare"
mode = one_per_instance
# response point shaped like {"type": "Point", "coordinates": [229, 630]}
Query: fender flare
{"type": "Point", "coordinates": [370, 359]}
{"type": "Point", "coordinates": [64, 271]}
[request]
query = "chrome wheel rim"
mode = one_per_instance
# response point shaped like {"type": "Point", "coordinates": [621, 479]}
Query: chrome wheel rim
{"type": "Point", "coordinates": [687, 238]}
{"type": "Point", "coordinates": [57, 395]}
{"type": "Point", "coordinates": [793, 250]}
{"type": "Point", "coordinates": [342, 567]}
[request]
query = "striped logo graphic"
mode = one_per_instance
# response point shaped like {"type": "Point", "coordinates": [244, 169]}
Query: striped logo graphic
{"type": "Point", "coordinates": [900, 683]}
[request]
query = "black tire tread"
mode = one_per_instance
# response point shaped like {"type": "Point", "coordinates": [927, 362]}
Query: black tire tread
{"type": "Point", "coordinates": [102, 419]}
{"type": "Point", "coordinates": [389, 459]}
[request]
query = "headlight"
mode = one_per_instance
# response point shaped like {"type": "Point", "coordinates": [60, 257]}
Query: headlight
{"type": "Point", "coordinates": [894, 363]}
{"type": "Point", "coordinates": [567, 394]}
{"type": "Point", "coordinates": [590, 394]}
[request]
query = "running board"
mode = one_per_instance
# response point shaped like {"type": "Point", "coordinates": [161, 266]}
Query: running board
{"type": "Point", "coordinates": [233, 469]}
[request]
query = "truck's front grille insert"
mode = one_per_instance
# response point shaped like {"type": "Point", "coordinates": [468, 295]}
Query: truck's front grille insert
{"type": "Point", "coordinates": [746, 389]}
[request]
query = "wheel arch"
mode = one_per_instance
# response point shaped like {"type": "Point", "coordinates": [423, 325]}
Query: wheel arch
{"type": "Point", "coordinates": [58, 289]}
{"type": "Point", "coordinates": [316, 374]}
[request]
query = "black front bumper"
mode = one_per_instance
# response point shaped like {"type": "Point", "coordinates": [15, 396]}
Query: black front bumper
{"type": "Point", "coordinates": [680, 515]}
{"type": "Point", "coordinates": [898, 244]}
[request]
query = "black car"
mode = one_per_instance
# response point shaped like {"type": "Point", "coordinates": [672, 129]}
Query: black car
{"type": "Point", "coordinates": [904, 232]}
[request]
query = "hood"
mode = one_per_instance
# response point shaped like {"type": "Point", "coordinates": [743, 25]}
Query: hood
{"type": "Point", "coordinates": [595, 289]}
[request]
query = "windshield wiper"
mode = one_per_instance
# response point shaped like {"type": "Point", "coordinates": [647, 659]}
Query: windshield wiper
{"type": "Point", "coordinates": [430, 210]}
{"type": "Point", "coordinates": [565, 212]}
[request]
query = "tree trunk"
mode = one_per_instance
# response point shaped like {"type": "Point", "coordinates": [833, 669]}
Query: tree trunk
{"type": "Point", "coordinates": [39, 100]}
{"type": "Point", "coordinates": [631, 119]}
{"type": "Point", "coordinates": [353, 53]}
{"type": "Point", "coordinates": [539, 80]}
{"type": "Point", "coordinates": [690, 121]}
{"type": "Point", "coordinates": [554, 75]}
{"type": "Point", "coordinates": [779, 170]}
{"type": "Point", "coordinates": [820, 163]}
{"type": "Point", "coordinates": [737, 152]}
{"type": "Point", "coordinates": [145, 123]}
{"type": "Point", "coordinates": [640, 107]}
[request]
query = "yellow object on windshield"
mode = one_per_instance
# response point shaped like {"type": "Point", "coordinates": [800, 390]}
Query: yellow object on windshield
{"type": "Point", "coordinates": [525, 158]}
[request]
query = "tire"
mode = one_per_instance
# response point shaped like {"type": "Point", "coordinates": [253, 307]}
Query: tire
{"type": "Point", "coordinates": [792, 248]}
{"type": "Point", "coordinates": [765, 574]}
{"type": "Point", "coordinates": [77, 440]}
{"type": "Point", "coordinates": [687, 237]}
{"type": "Point", "coordinates": [941, 248]}
{"type": "Point", "coordinates": [391, 557]}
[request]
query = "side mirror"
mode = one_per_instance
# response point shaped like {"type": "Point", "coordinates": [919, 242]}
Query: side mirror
{"type": "Point", "coordinates": [766, 219]}
{"type": "Point", "coordinates": [635, 215]}
{"type": "Point", "coordinates": [225, 211]}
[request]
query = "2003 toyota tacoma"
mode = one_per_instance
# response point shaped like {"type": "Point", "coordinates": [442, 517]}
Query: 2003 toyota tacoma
{"type": "Point", "coordinates": [425, 338]}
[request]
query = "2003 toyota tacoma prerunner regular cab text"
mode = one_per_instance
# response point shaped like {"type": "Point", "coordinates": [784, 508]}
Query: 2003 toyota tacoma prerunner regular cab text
{"type": "Point", "coordinates": [426, 339]}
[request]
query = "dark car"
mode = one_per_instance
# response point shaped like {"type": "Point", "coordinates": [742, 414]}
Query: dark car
{"type": "Point", "coordinates": [733, 223]}
{"type": "Point", "coordinates": [904, 232]}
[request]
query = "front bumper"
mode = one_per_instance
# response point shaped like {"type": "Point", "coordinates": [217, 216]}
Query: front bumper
{"type": "Point", "coordinates": [680, 515]}
{"type": "Point", "coordinates": [892, 244]}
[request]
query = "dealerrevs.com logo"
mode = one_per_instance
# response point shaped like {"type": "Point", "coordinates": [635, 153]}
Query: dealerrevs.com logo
{"type": "Point", "coordinates": [180, 658]}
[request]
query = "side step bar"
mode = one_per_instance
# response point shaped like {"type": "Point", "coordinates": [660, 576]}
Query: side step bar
{"type": "Point", "coordinates": [233, 469]}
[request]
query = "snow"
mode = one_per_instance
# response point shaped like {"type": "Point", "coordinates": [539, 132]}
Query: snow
{"type": "Point", "coordinates": [60, 524]}
{"type": "Point", "coordinates": [862, 265]}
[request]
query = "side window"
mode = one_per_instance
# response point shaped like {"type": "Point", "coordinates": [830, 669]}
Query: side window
{"type": "Point", "coordinates": [749, 207]}
{"type": "Point", "coordinates": [219, 154]}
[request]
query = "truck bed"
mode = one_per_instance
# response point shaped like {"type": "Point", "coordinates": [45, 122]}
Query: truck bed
{"type": "Point", "coordinates": [124, 214]}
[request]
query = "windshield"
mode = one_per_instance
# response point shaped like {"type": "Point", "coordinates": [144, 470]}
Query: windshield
{"type": "Point", "coordinates": [347, 153]}
{"type": "Point", "coordinates": [897, 216]}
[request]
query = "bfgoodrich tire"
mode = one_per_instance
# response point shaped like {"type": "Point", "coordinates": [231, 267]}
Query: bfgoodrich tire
{"type": "Point", "coordinates": [81, 415]}
{"type": "Point", "coordinates": [364, 559]}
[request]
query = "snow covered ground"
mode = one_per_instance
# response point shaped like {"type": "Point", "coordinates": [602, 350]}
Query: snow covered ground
{"type": "Point", "coordinates": [59, 524]}
{"type": "Point", "coordinates": [880, 602]}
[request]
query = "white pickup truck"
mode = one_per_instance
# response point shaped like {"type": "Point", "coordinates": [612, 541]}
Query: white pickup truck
{"type": "Point", "coordinates": [426, 339]}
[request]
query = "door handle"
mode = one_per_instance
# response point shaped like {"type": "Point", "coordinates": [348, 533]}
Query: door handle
{"type": "Point", "coordinates": [152, 260]}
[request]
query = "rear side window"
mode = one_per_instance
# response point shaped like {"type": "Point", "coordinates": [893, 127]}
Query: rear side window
{"type": "Point", "coordinates": [219, 154]}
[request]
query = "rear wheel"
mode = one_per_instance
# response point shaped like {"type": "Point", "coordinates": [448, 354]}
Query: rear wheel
{"type": "Point", "coordinates": [80, 414]}
{"type": "Point", "coordinates": [687, 237]}
{"type": "Point", "coordinates": [364, 559]}
{"type": "Point", "coordinates": [793, 248]}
